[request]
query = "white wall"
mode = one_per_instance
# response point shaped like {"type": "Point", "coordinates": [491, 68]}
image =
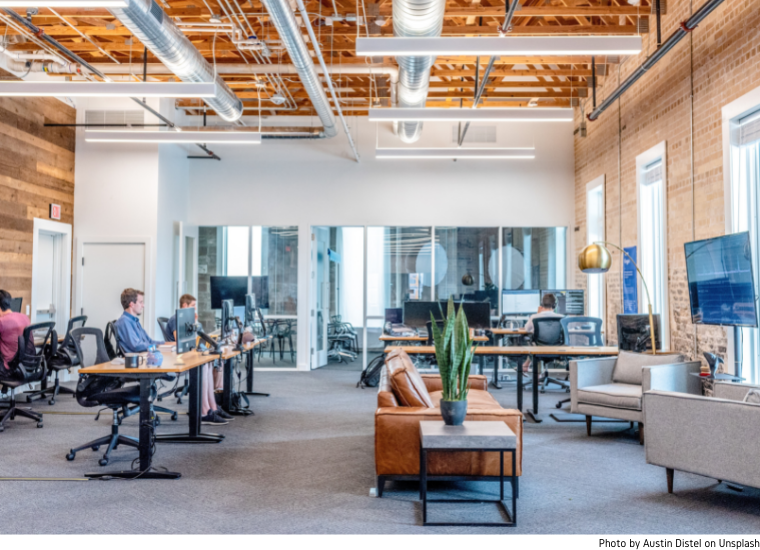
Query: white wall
{"type": "Point", "coordinates": [317, 182]}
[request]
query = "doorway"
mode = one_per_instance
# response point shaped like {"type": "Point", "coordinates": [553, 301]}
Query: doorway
{"type": "Point", "coordinates": [51, 273]}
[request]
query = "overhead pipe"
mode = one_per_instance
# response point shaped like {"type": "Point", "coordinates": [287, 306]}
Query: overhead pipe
{"type": "Point", "coordinates": [415, 19]}
{"type": "Point", "coordinates": [685, 28]}
{"type": "Point", "coordinates": [156, 30]}
{"type": "Point", "coordinates": [289, 30]}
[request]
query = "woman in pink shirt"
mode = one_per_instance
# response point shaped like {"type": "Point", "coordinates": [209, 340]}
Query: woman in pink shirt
{"type": "Point", "coordinates": [12, 326]}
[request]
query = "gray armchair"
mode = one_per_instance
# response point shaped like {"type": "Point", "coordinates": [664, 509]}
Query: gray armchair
{"type": "Point", "coordinates": [716, 437]}
{"type": "Point", "coordinates": [613, 387]}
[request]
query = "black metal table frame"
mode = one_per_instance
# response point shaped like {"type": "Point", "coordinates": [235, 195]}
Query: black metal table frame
{"type": "Point", "coordinates": [513, 477]}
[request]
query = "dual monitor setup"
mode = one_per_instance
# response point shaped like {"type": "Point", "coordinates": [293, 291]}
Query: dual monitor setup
{"type": "Point", "coordinates": [526, 302]}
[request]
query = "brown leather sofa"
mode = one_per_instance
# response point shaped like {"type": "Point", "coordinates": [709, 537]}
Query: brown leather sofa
{"type": "Point", "coordinates": [405, 397]}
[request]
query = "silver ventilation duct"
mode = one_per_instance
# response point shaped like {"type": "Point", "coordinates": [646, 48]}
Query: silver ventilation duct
{"type": "Point", "coordinates": [148, 22]}
{"type": "Point", "coordinates": [415, 19]}
{"type": "Point", "coordinates": [290, 33]}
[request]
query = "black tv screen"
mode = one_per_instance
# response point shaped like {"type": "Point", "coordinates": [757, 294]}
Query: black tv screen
{"type": "Point", "coordinates": [228, 288]}
{"type": "Point", "coordinates": [721, 285]}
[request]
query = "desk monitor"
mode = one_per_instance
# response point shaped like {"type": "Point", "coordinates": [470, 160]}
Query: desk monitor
{"type": "Point", "coordinates": [417, 313]}
{"type": "Point", "coordinates": [260, 287]}
{"type": "Point", "coordinates": [478, 313]}
{"type": "Point", "coordinates": [520, 302]}
{"type": "Point", "coordinates": [634, 334]}
{"type": "Point", "coordinates": [394, 315]}
{"type": "Point", "coordinates": [228, 288]}
{"type": "Point", "coordinates": [569, 302]}
{"type": "Point", "coordinates": [185, 329]}
{"type": "Point", "coordinates": [16, 305]}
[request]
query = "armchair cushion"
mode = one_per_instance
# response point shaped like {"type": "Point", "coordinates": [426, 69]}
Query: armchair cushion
{"type": "Point", "coordinates": [629, 365]}
{"type": "Point", "coordinates": [407, 384]}
{"type": "Point", "coordinates": [619, 396]}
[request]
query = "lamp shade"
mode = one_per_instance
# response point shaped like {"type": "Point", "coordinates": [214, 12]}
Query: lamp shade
{"type": "Point", "coordinates": [595, 258]}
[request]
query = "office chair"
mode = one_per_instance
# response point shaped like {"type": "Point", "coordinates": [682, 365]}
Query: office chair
{"type": "Point", "coordinates": [163, 324]}
{"type": "Point", "coordinates": [64, 359]}
{"type": "Point", "coordinates": [179, 393]}
{"type": "Point", "coordinates": [107, 391]}
{"type": "Point", "coordinates": [111, 341]}
{"type": "Point", "coordinates": [28, 365]}
{"type": "Point", "coordinates": [581, 331]}
{"type": "Point", "coordinates": [547, 331]}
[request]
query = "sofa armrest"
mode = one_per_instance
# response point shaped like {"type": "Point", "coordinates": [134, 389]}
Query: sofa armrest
{"type": "Point", "coordinates": [732, 391]}
{"type": "Point", "coordinates": [589, 372]}
{"type": "Point", "coordinates": [397, 442]}
{"type": "Point", "coordinates": [712, 437]}
{"type": "Point", "coordinates": [475, 382]}
{"type": "Point", "coordinates": [672, 378]}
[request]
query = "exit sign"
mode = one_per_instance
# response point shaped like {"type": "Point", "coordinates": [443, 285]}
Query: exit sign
{"type": "Point", "coordinates": [55, 211]}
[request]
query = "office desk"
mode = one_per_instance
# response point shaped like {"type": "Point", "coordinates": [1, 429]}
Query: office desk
{"type": "Point", "coordinates": [387, 338]}
{"type": "Point", "coordinates": [536, 353]}
{"type": "Point", "coordinates": [146, 376]}
{"type": "Point", "coordinates": [503, 333]}
{"type": "Point", "coordinates": [39, 341]}
{"type": "Point", "coordinates": [227, 392]}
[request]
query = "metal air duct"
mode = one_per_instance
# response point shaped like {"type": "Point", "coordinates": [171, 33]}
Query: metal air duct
{"type": "Point", "coordinates": [415, 18]}
{"type": "Point", "coordinates": [148, 22]}
{"type": "Point", "coordinates": [290, 33]}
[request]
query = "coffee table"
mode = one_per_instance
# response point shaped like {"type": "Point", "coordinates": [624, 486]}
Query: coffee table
{"type": "Point", "coordinates": [494, 436]}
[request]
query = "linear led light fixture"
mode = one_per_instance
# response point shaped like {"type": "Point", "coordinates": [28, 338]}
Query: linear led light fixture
{"type": "Point", "coordinates": [63, 4]}
{"type": "Point", "coordinates": [500, 46]}
{"type": "Point", "coordinates": [237, 137]}
{"type": "Point", "coordinates": [454, 153]}
{"type": "Point", "coordinates": [436, 114]}
{"type": "Point", "coordinates": [107, 89]}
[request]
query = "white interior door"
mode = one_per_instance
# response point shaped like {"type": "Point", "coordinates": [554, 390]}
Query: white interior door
{"type": "Point", "coordinates": [107, 269]}
{"type": "Point", "coordinates": [45, 296]}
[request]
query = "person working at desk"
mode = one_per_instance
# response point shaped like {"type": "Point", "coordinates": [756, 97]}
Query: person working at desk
{"type": "Point", "coordinates": [210, 413]}
{"type": "Point", "coordinates": [545, 310]}
{"type": "Point", "coordinates": [12, 326]}
{"type": "Point", "coordinates": [132, 335]}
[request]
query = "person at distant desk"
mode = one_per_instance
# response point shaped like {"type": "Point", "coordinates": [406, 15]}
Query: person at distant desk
{"type": "Point", "coordinates": [132, 335]}
{"type": "Point", "coordinates": [545, 311]}
{"type": "Point", "coordinates": [210, 413]}
{"type": "Point", "coordinates": [12, 326]}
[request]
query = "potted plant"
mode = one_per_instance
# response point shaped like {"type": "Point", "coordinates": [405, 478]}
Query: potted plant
{"type": "Point", "coordinates": [454, 351]}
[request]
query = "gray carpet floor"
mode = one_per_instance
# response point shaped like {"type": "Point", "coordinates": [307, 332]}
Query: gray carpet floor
{"type": "Point", "coordinates": [304, 464]}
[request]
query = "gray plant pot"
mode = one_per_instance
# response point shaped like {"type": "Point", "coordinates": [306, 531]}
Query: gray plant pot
{"type": "Point", "coordinates": [453, 412]}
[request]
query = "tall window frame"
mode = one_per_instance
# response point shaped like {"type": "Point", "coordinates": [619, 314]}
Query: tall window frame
{"type": "Point", "coordinates": [652, 210]}
{"type": "Point", "coordinates": [596, 231]}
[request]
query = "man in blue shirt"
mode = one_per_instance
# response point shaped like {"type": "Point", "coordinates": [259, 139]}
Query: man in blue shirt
{"type": "Point", "coordinates": [132, 335]}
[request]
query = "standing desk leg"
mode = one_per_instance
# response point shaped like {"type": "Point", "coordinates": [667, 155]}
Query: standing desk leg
{"type": "Point", "coordinates": [195, 381]}
{"type": "Point", "coordinates": [533, 414]}
{"type": "Point", "coordinates": [520, 361]}
{"type": "Point", "coordinates": [249, 380]}
{"type": "Point", "coordinates": [145, 446]}
{"type": "Point", "coordinates": [227, 392]}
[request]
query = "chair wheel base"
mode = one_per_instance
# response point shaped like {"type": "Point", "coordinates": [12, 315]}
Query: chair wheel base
{"type": "Point", "coordinates": [71, 456]}
{"type": "Point", "coordinates": [103, 462]}
{"type": "Point", "coordinates": [39, 424]}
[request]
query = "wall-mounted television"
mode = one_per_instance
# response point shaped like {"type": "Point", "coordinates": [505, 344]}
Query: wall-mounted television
{"type": "Point", "coordinates": [228, 288]}
{"type": "Point", "coordinates": [721, 282]}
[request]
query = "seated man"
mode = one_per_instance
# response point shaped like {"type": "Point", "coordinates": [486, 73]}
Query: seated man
{"type": "Point", "coordinates": [545, 310]}
{"type": "Point", "coordinates": [210, 413]}
{"type": "Point", "coordinates": [12, 326]}
{"type": "Point", "coordinates": [132, 335]}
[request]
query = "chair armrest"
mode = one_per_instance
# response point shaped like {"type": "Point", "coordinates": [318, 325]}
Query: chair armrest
{"type": "Point", "coordinates": [475, 382]}
{"type": "Point", "coordinates": [703, 435]}
{"type": "Point", "coordinates": [589, 372]}
{"type": "Point", "coordinates": [672, 378]}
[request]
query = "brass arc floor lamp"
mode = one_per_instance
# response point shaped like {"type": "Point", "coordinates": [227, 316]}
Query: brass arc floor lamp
{"type": "Point", "coordinates": [595, 258]}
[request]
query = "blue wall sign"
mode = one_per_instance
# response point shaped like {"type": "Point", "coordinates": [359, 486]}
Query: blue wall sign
{"type": "Point", "coordinates": [630, 287]}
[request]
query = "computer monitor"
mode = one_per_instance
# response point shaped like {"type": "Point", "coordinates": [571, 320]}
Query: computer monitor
{"type": "Point", "coordinates": [186, 330]}
{"type": "Point", "coordinates": [250, 309]}
{"type": "Point", "coordinates": [260, 287]}
{"type": "Point", "coordinates": [228, 312]}
{"type": "Point", "coordinates": [569, 302]}
{"type": "Point", "coordinates": [634, 334]}
{"type": "Point", "coordinates": [478, 313]}
{"type": "Point", "coordinates": [520, 302]}
{"type": "Point", "coordinates": [228, 288]}
{"type": "Point", "coordinates": [417, 313]}
{"type": "Point", "coordinates": [16, 305]}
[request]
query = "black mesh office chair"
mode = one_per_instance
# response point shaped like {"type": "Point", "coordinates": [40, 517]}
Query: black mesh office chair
{"type": "Point", "coordinates": [547, 331]}
{"type": "Point", "coordinates": [163, 324]}
{"type": "Point", "coordinates": [28, 365]}
{"type": "Point", "coordinates": [106, 391]}
{"type": "Point", "coordinates": [63, 359]}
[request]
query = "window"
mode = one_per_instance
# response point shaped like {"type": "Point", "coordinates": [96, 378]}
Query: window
{"type": "Point", "coordinates": [745, 179]}
{"type": "Point", "coordinates": [595, 221]}
{"type": "Point", "coordinates": [236, 251]}
{"type": "Point", "coordinates": [652, 253]}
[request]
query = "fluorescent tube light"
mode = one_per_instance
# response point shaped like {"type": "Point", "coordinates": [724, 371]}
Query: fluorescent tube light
{"type": "Point", "coordinates": [63, 4]}
{"type": "Point", "coordinates": [454, 153]}
{"type": "Point", "coordinates": [192, 135]}
{"type": "Point", "coordinates": [435, 114]}
{"type": "Point", "coordinates": [107, 89]}
{"type": "Point", "coordinates": [500, 46]}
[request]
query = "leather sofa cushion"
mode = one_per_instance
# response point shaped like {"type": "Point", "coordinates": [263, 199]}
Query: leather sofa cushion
{"type": "Point", "coordinates": [407, 384]}
{"type": "Point", "coordinates": [476, 400]}
{"type": "Point", "coordinates": [618, 396]}
{"type": "Point", "coordinates": [629, 365]}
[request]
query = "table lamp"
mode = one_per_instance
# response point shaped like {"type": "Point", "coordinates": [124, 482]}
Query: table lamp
{"type": "Point", "coordinates": [595, 258]}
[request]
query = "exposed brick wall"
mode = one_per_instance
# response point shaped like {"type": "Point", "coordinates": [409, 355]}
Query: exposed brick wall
{"type": "Point", "coordinates": [722, 55]}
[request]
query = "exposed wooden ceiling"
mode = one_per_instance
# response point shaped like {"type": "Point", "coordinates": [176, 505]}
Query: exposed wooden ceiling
{"type": "Point", "coordinates": [100, 38]}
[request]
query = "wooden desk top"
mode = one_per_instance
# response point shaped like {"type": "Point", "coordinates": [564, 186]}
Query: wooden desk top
{"type": "Point", "coordinates": [389, 338]}
{"type": "Point", "coordinates": [509, 331]}
{"type": "Point", "coordinates": [520, 350]}
{"type": "Point", "coordinates": [192, 359]}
